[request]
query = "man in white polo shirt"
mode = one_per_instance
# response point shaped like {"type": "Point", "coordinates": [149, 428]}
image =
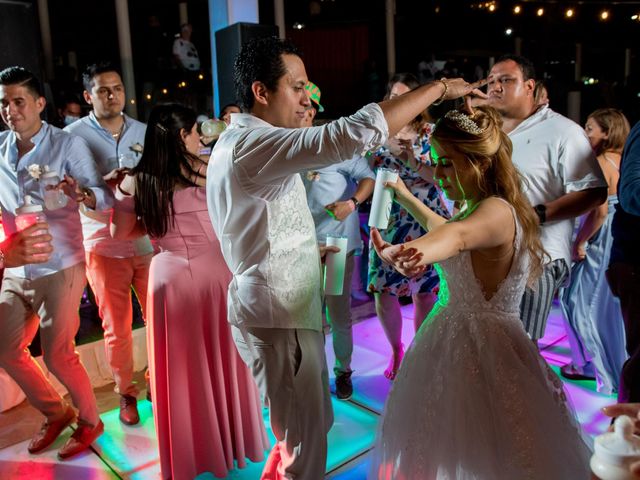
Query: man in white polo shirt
{"type": "Point", "coordinates": [258, 208]}
{"type": "Point", "coordinates": [563, 178]}
{"type": "Point", "coordinates": [114, 266]}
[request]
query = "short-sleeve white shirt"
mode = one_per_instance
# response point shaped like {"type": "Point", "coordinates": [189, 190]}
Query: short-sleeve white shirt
{"type": "Point", "coordinates": [554, 155]}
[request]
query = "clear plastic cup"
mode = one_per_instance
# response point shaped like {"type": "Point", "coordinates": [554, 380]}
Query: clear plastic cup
{"type": "Point", "coordinates": [127, 160]}
{"type": "Point", "coordinates": [53, 199]}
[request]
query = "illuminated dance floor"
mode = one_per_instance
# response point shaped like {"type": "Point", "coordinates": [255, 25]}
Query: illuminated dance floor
{"type": "Point", "coordinates": [130, 452]}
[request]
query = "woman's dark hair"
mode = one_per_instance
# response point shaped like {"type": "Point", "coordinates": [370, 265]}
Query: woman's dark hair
{"type": "Point", "coordinates": [408, 79]}
{"type": "Point", "coordinates": [411, 82]}
{"type": "Point", "coordinates": [165, 163]}
{"type": "Point", "coordinates": [260, 60]}
{"type": "Point", "coordinates": [228, 106]}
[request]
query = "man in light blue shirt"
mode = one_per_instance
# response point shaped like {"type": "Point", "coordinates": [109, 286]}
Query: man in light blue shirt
{"type": "Point", "coordinates": [333, 195]}
{"type": "Point", "coordinates": [49, 290]}
{"type": "Point", "coordinates": [114, 266]}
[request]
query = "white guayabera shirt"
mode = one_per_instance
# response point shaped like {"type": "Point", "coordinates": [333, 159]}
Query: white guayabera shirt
{"type": "Point", "coordinates": [257, 204]}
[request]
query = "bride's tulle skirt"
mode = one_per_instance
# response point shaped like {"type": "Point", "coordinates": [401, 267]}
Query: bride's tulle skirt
{"type": "Point", "coordinates": [475, 400]}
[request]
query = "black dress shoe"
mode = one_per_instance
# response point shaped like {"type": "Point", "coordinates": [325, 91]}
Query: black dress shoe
{"type": "Point", "coordinates": [572, 372]}
{"type": "Point", "coordinates": [344, 387]}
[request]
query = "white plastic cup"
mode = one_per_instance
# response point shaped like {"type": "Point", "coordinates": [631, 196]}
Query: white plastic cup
{"type": "Point", "coordinates": [335, 265]}
{"type": "Point", "coordinates": [53, 199]}
{"type": "Point", "coordinates": [382, 199]}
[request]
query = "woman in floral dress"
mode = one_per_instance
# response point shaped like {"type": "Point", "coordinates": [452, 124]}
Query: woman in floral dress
{"type": "Point", "coordinates": [408, 153]}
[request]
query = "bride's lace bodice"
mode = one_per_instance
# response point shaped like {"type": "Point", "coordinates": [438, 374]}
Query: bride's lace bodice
{"type": "Point", "coordinates": [461, 290]}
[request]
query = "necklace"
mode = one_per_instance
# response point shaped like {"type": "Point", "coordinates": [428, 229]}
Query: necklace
{"type": "Point", "coordinates": [117, 134]}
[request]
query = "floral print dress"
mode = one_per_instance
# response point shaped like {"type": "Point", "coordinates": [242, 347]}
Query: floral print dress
{"type": "Point", "coordinates": [402, 226]}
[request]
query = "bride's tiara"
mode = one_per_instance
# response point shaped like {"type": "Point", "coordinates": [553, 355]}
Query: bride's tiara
{"type": "Point", "coordinates": [464, 122]}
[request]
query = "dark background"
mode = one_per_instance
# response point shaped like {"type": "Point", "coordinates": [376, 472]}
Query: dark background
{"type": "Point", "coordinates": [344, 44]}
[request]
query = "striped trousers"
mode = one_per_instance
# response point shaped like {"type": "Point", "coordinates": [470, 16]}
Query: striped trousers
{"type": "Point", "coordinates": [536, 301]}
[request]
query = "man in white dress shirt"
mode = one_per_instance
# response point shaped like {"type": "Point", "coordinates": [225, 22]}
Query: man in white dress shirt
{"type": "Point", "coordinates": [258, 208]}
{"type": "Point", "coordinates": [563, 177]}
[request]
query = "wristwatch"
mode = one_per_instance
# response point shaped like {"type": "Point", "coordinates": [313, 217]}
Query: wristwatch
{"type": "Point", "coordinates": [541, 211]}
{"type": "Point", "coordinates": [355, 201]}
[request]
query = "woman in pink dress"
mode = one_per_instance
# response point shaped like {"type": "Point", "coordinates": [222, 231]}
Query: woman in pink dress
{"type": "Point", "coordinates": [206, 405]}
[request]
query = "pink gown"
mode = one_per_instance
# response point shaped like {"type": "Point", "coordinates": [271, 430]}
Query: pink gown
{"type": "Point", "coordinates": [206, 405]}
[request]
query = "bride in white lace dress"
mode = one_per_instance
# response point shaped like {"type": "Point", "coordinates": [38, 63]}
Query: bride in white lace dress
{"type": "Point", "coordinates": [474, 399]}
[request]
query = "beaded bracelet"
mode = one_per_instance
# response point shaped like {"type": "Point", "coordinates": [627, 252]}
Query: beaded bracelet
{"type": "Point", "coordinates": [446, 89]}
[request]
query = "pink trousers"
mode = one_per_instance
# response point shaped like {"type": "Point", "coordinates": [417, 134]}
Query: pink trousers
{"type": "Point", "coordinates": [111, 280]}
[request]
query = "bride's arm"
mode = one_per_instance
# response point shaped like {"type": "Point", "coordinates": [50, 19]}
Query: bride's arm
{"type": "Point", "coordinates": [491, 224]}
{"type": "Point", "coordinates": [427, 218]}
{"type": "Point", "coordinates": [124, 222]}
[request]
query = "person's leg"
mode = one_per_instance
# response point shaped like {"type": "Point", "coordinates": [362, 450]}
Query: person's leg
{"type": "Point", "coordinates": [110, 280]}
{"type": "Point", "coordinates": [58, 297]}
{"type": "Point", "coordinates": [18, 327]}
{"type": "Point", "coordinates": [390, 316]}
{"type": "Point", "coordinates": [358, 293]}
{"type": "Point", "coordinates": [141, 285]}
{"type": "Point", "coordinates": [624, 281]}
{"type": "Point", "coordinates": [141, 279]}
{"type": "Point", "coordinates": [339, 316]}
{"type": "Point", "coordinates": [422, 305]}
{"type": "Point", "coordinates": [571, 302]}
{"type": "Point", "coordinates": [290, 369]}
{"type": "Point", "coordinates": [536, 302]}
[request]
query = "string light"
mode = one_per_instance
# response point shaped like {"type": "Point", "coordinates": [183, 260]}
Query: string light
{"type": "Point", "coordinates": [569, 13]}
{"type": "Point", "coordinates": [148, 96]}
{"type": "Point", "coordinates": [165, 91]}
{"type": "Point", "coordinates": [508, 31]}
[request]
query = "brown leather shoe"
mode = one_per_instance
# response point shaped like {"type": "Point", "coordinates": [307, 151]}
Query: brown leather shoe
{"type": "Point", "coordinates": [81, 439]}
{"type": "Point", "coordinates": [129, 410]}
{"type": "Point", "coordinates": [50, 430]}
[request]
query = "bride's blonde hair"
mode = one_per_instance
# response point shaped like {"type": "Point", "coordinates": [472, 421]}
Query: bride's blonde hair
{"type": "Point", "coordinates": [478, 136]}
